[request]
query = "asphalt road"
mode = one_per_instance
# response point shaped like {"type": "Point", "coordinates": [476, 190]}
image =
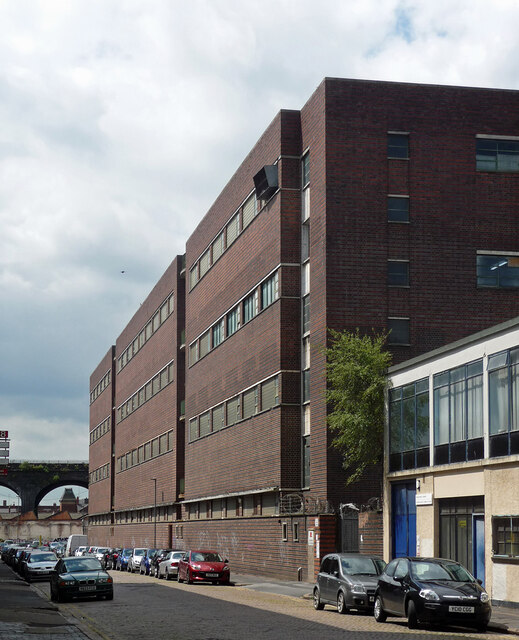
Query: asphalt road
{"type": "Point", "coordinates": [145, 608]}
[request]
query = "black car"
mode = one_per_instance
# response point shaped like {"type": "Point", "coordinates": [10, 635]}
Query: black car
{"type": "Point", "coordinates": [80, 577]}
{"type": "Point", "coordinates": [431, 590]}
{"type": "Point", "coordinates": [348, 581]}
{"type": "Point", "coordinates": [157, 559]}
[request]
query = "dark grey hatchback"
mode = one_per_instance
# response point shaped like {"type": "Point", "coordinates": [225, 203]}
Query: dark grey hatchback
{"type": "Point", "coordinates": [431, 590]}
{"type": "Point", "coordinates": [347, 581]}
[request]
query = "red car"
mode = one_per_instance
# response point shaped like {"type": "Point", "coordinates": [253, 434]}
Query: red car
{"type": "Point", "coordinates": [203, 566]}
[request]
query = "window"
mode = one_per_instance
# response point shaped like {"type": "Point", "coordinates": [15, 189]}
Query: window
{"type": "Point", "coordinates": [249, 210]}
{"type": "Point", "coordinates": [205, 344]}
{"type": "Point", "coordinates": [269, 394]}
{"type": "Point", "coordinates": [233, 411]}
{"type": "Point", "coordinates": [458, 414]}
{"type": "Point", "coordinates": [249, 403]}
{"type": "Point", "coordinates": [305, 241]}
{"type": "Point", "coordinates": [249, 307]}
{"type": "Point", "coordinates": [218, 417]}
{"type": "Point", "coordinates": [305, 279]}
{"type": "Point", "coordinates": [497, 154]}
{"type": "Point", "coordinates": [193, 429]}
{"type": "Point", "coordinates": [398, 209]}
{"type": "Point", "coordinates": [398, 330]}
{"type": "Point", "coordinates": [295, 531]}
{"type": "Point", "coordinates": [233, 229]}
{"type": "Point", "coordinates": [305, 186]}
{"type": "Point", "coordinates": [218, 247]}
{"type": "Point", "coordinates": [306, 461]}
{"type": "Point", "coordinates": [498, 271]}
{"type": "Point", "coordinates": [205, 424]}
{"type": "Point", "coordinates": [409, 426]}
{"type": "Point", "coordinates": [306, 314]}
{"type": "Point", "coordinates": [505, 536]}
{"type": "Point", "coordinates": [284, 531]}
{"type": "Point", "coordinates": [398, 273]}
{"type": "Point", "coordinates": [305, 170]}
{"type": "Point", "coordinates": [217, 332]}
{"type": "Point", "coordinates": [269, 291]}
{"type": "Point", "coordinates": [233, 321]}
{"type": "Point", "coordinates": [503, 391]}
{"type": "Point", "coordinates": [205, 263]}
{"type": "Point", "coordinates": [398, 145]}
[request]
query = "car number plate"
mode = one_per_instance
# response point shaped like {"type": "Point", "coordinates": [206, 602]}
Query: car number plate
{"type": "Point", "coordinates": [372, 598]}
{"type": "Point", "coordinates": [212, 575]}
{"type": "Point", "coordinates": [89, 588]}
{"type": "Point", "coordinates": [460, 609]}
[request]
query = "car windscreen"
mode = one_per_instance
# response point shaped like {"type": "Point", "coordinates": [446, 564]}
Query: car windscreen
{"type": "Point", "coordinates": [42, 557]}
{"type": "Point", "coordinates": [205, 556]}
{"type": "Point", "coordinates": [82, 564]}
{"type": "Point", "coordinates": [446, 571]}
{"type": "Point", "coordinates": [359, 566]}
{"type": "Point", "coordinates": [139, 552]}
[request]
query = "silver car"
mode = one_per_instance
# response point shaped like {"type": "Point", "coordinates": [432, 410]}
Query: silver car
{"type": "Point", "coordinates": [348, 581]}
{"type": "Point", "coordinates": [168, 568]}
{"type": "Point", "coordinates": [134, 561]}
{"type": "Point", "coordinates": [39, 565]}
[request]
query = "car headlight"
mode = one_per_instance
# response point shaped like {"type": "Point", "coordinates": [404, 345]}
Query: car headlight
{"type": "Point", "coordinates": [226, 568]}
{"type": "Point", "coordinates": [429, 594]}
{"type": "Point", "coordinates": [358, 588]}
{"type": "Point", "coordinates": [104, 580]}
{"type": "Point", "coordinates": [196, 567]}
{"type": "Point", "coordinates": [65, 583]}
{"type": "Point", "coordinates": [484, 597]}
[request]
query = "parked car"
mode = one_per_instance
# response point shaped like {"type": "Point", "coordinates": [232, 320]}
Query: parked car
{"type": "Point", "coordinates": [347, 581]}
{"type": "Point", "coordinates": [80, 551]}
{"type": "Point", "coordinates": [134, 561]}
{"type": "Point", "coordinates": [100, 553]}
{"type": "Point", "coordinates": [431, 590]}
{"type": "Point", "coordinates": [121, 563]}
{"type": "Point", "coordinates": [157, 559]}
{"type": "Point", "coordinates": [145, 566]}
{"type": "Point", "coordinates": [168, 567]}
{"type": "Point", "coordinates": [79, 577]}
{"type": "Point", "coordinates": [39, 565]}
{"type": "Point", "coordinates": [203, 566]}
{"type": "Point", "coordinates": [110, 559]}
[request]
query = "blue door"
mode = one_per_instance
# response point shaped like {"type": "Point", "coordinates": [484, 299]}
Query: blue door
{"type": "Point", "coordinates": [478, 546]}
{"type": "Point", "coordinates": [403, 508]}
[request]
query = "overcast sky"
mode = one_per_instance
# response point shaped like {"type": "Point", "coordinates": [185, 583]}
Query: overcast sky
{"type": "Point", "coordinates": [121, 121]}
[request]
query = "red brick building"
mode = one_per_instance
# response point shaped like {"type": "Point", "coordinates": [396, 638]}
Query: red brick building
{"type": "Point", "coordinates": [379, 206]}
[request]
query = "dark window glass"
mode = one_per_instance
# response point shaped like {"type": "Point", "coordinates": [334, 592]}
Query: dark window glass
{"type": "Point", "coordinates": [397, 209]}
{"type": "Point", "coordinates": [398, 330]}
{"type": "Point", "coordinates": [397, 273]}
{"type": "Point", "coordinates": [306, 461]}
{"type": "Point", "coordinates": [497, 155]}
{"type": "Point", "coordinates": [498, 271]}
{"type": "Point", "coordinates": [305, 170]}
{"type": "Point", "coordinates": [397, 145]}
{"type": "Point", "coordinates": [306, 314]}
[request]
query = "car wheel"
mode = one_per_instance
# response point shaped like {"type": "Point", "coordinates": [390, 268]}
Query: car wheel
{"type": "Point", "coordinates": [317, 601]}
{"type": "Point", "coordinates": [481, 628]}
{"type": "Point", "coordinates": [168, 577]}
{"type": "Point", "coordinates": [179, 579]}
{"type": "Point", "coordinates": [189, 579]}
{"type": "Point", "coordinates": [412, 620]}
{"type": "Point", "coordinates": [341, 604]}
{"type": "Point", "coordinates": [378, 611]}
{"type": "Point", "coordinates": [53, 595]}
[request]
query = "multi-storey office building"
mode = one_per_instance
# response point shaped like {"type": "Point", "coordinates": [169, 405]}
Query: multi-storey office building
{"type": "Point", "coordinates": [379, 206]}
{"type": "Point", "coordinates": [452, 463]}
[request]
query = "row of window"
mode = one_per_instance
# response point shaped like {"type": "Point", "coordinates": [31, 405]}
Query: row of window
{"type": "Point", "coordinates": [256, 504]}
{"type": "Point", "coordinates": [492, 270]}
{"type": "Point", "coordinates": [255, 301]}
{"type": "Point", "coordinates": [159, 317]}
{"type": "Point", "coordinates": [100, 386]}
{"type": "Point", "coordinates": [159, 381]}
{"type": "Point", "coordinates": [146, 451]}
{"type": "Point", "coordinates": [262, 397]}
{"type": "Point", "coordinates": [492, 154]}
{"type": "Point", "coordinates": [236, 225]}
{"type": "Point", "coordinates": [99, 474]}
{"type": "Point", "coordinates": [160, 514]}
{"type": "Point", "coordinates": [457, 414]}
{"type": "Point", "coordinates": [505, 530]}
{"type": "Point", "coordinates": [100, 430]}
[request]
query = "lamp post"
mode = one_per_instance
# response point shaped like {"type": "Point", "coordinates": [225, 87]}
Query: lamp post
{"type": "Point", "coordinates": [154, 513]}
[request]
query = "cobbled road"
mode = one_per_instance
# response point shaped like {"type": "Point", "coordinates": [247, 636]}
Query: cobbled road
{"type": "Point", "coordinates": [145, 608]}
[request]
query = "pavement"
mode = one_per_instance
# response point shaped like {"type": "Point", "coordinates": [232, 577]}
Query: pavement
{"type": "Point", "coordinates": [26, 613]}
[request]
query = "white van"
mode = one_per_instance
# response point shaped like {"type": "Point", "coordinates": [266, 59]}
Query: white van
{"type": "Point", "coordinates": [74, 541]}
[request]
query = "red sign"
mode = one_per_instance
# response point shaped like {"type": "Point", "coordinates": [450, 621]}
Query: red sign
{"type": "Point", "coordinates": [3, 472]}
{"type": "Point", "coordinates": [4, 434]}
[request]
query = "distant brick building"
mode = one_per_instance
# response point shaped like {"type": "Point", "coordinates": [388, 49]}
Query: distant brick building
{"type": "Point", "coordinates": [380, 206]}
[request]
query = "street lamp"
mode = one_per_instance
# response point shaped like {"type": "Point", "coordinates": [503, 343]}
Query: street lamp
{"type": "Point", "coordinates": [154, 513]}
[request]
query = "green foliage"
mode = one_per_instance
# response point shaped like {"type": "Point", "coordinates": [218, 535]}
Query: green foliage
{"type": "Point", "coordinates": [357, 377]}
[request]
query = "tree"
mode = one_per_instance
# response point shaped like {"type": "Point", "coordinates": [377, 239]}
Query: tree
{"type": "Point", "coordinates": [357, 377]}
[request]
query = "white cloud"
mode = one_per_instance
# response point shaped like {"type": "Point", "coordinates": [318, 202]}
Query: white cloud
{"type": "Point", "coordinates": [121, 122]}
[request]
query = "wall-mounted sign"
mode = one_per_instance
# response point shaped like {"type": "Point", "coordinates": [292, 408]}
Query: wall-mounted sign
{"type": "Point", "coordinates": [311, 537]}
{"type": "Point", "coordinates": [423, 498]}
{"type": "Point", "coordinates": [4, 434]}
